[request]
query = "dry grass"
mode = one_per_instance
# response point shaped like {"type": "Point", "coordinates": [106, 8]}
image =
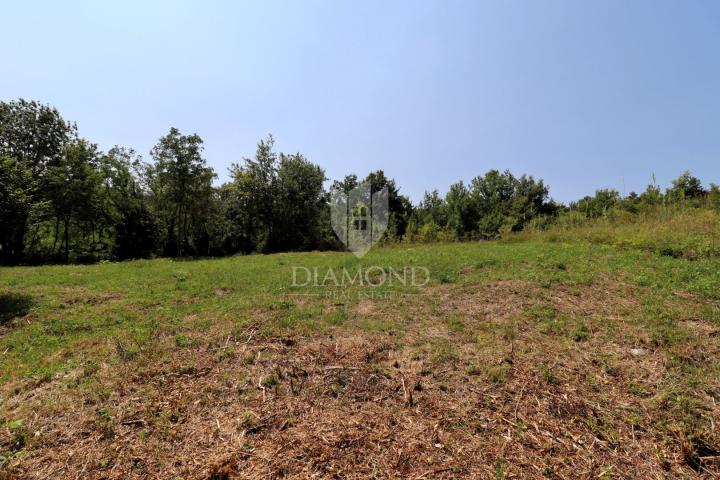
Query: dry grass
{"type": "Point", "coordinates": [479, 379]}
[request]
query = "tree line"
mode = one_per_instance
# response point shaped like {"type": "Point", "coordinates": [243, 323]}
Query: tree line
{"type": "Point", "coordinates": [64, 200]}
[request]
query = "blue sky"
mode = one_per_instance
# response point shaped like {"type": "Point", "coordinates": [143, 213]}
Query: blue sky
{"type": "Point", "coordinates": [585, 95]}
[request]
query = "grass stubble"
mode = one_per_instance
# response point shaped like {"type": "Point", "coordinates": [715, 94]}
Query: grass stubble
{"type": "Point", "coordinates": [529, 359]}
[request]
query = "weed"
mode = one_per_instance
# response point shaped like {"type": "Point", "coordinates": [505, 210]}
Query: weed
{"type": "Point", "coordinates": [455, 323]}
{"type": "Point", "coordinates": [19, 436]}
{"type": "Point", "coordinates": [105, 423]}
{"type": "Point", "coordinates": [271, 380]}
{"type": "Point", "coordinates": [617, 297]}
{"type": "Point", "coordinates": [498, 374]}
{"type": "Point", "coordinates": [182, 341]}
{"type": "Point", "coordinates": [581, 332]}
{"type": "Point", "coordinates": [474, 369]}
{"type": "Point", "coordinates": [442, 350]}
{"type": "Point", "coordinates": [606, 473]}
{"type": "Point", "coordinates": [248, 357]}
{"type": "Point", "coordinates": [548, 374]}
{"type": "Point", "coordinates": [500, 470]}
{"type": "Point", "coordinates": [124, 351]}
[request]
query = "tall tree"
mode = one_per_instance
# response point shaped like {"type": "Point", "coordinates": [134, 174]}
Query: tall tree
{"type": "Point", "coordinates": [686, 186]}
{"type": "Point", "coordinates": [462, 214]}
{"type": "Point", "coordinates": [180, 183]}
{"type": "Point", "coordinates": [15, 196]}
{"type": "Point", "coordinates": [135, 229]}
{"type": "Point", "coordinates": [255, 191]}
{"type": "Point", "coordinates": [399, 206]}
{"type": "Point", "coordinates": [33, 136]}
{"type": "Point", "coordinates": [276, 201]}
{"type": "Point", "coordinates": [299, 203]}
{"type": "Point", "coordinates": [72, 187]}
{"type": "Point", "coordinates": [33, 133]}
{"type": "Point", "coordinates": [346, 184]}
{"type": "Point", "coordinates": [432, 208]}
{"type": "Point", "coordinates": [505, 203]}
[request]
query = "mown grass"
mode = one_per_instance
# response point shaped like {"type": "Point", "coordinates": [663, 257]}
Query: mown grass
{"type": "Point", "coordinates": [72, 314]}
{"type": "Point", "coordinates": [503, 315]}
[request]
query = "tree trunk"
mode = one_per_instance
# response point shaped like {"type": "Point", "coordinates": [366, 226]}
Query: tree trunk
{"type": "Point", "coordinates": [67, 240]}
{"type": "Point", "coordinates": [57, 232]}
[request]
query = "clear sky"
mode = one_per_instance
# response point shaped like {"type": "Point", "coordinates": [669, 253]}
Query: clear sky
{"type": "Point", "coordinates": [584, 94]}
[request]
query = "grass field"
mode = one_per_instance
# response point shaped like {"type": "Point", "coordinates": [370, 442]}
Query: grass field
{"type": "Point", "coordinates": [690, 233]}
{"type": "Point", "coordinates": [523, 359]}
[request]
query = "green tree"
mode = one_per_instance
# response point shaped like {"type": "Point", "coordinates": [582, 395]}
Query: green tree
{"type": "Point", "coordinates": [33, 133]}
{"type": "Point", "coordinates": [461, 211]}
{"type": "Point", "coordinates": [504, 203]}
{"type": "Point", "coordinates": [180, 184]}
{"type": "Point", "coordinates": [399, 207]}
{"type": "Point", "coordinates": [685, 186]}
{"type": "Point", "coordinates": [651, 196]}
{"type": "Point", "coordinates": [432, 208]}
{"type": "Point", "coordinates": [599, 204]}
{"type": "Point", "coordinates": [300, 199]}
{"type": "Point", "coordinates": [277, 202]}
{"type": "Point", "coordinates": [16, 186]}
{"type": "Point", "coordinates": [255, 191]}
{"type": "Point", "coordinates": [72, 186]}
{"type": "Point", "coordinates": [33, 136]}
{"type": "Point", "coordinates": [346, 184]}
{"type": "Point", "coordinates": [136, 234]}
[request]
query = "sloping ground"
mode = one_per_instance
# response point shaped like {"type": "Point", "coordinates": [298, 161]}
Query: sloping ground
{"type": "Point", "coordinates": [690, 233]}
{"type": "Point", "coordinates": [477, 379]}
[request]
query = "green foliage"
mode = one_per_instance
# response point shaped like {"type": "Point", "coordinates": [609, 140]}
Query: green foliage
{"type": "Point", "coordinates": [32, 137]}
{"type": "Point", "coordinates": [16, 190]}
{"type": "Point", "coordinates": [669, 230]}
{"type": "Point", "coordinates": [33, 134]}
{"type": "Point", "coordinates": [275, 202]}
{"type": "Point", "coordinates": [432, 209]}
{"type": "Point", "coordinates": [506, 203]}
{"type": "Point", "coordinates": [18, 440]}
{"type": "Point", "coordinates": [181, 192]}
{"type": "Point", "coordinates": [399, 207]}
{"type": "Point", "coordinates": [714, 197]}
{"type": "Point", "coordinates": [493, 204]}
{"type": "Point", "coordinates": [72, 187]}
{"type": "Point", "coordinates": [63, 200]}
{"type": "Point", "coordinates": [683, 222]}
{"type": "Point", "coordinates": [136, 231]}
{"type": "Point", "coordinates": [686, 186]}
{"type": "Point", "coordinates": [598, 205]}
{"type": "Point", "coordinates": [299, 201]}
{"type": "Point", "coordinates": [400, 210]}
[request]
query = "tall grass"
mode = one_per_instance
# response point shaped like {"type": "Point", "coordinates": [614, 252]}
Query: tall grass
{"type": "Point", "coordinates": [677, 231]}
